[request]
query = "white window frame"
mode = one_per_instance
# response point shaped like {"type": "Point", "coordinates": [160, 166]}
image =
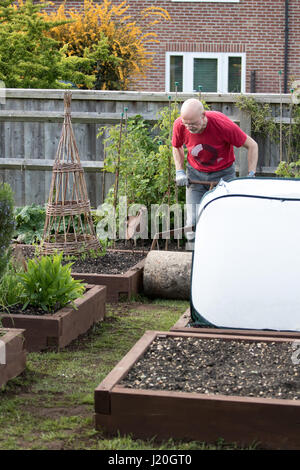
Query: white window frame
{"type": "Point", "coordinates": [188, 63]}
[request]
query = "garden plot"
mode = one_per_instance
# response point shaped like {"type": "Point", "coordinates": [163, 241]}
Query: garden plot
{"type": "Point", "coordinates": [204, 387]}
{"type": "Point", "coordinates": [12, 354]}
{"type": "Point", "coordinates": [60, 328]}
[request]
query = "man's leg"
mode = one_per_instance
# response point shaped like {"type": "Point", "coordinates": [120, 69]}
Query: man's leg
{"type": "Point", "coordinates": [194, 194]}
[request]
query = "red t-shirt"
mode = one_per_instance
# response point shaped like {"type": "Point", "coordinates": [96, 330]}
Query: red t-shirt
{"type": "Point", "coordinates": [212, 150]}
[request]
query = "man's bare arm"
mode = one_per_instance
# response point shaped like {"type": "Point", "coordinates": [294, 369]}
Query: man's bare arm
{"type": "Point", "coordinates": [178, 154]}
{"type": "Point", "coordinates": [252, 148]}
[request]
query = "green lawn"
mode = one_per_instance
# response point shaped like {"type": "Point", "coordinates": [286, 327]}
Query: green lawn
{"type": "Point", "coordinates": [50, 406]}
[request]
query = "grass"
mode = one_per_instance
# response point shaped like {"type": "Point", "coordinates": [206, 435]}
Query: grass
{"type": "Point", "coordinates": [50, 406]}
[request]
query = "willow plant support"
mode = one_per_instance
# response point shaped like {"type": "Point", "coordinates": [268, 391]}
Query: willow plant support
{"type": "Point", "coordinates": [68, 226]}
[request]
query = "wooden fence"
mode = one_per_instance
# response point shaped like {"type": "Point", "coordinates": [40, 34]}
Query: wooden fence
{"type": "Point", "coordinates": [31, 121]}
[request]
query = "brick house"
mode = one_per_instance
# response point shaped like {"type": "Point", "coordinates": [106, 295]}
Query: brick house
{"type": "Point", "coordinates": [223, 45]}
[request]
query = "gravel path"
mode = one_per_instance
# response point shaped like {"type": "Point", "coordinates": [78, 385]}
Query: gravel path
{"type": "Point", "coordinates": [217, 366]}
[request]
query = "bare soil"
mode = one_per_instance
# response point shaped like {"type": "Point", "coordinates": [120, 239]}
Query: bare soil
{"type": "Point", "coordinates": [217, 366]}
{"type": "Point", "coordinates": [112, 262]}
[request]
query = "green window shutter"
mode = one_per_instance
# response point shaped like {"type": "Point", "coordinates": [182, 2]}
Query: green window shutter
{"type": "Point", "coordinates": [206, 74]}
{"type": "Point", "coordinates": [176, 72]}
{"type": "Point", "coordinates": [234, 74]}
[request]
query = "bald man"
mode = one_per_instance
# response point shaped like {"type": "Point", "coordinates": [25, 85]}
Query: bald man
{"type": "Point", "coordinates": [209, 137]}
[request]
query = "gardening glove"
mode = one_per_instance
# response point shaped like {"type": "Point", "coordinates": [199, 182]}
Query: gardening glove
{"type": "Point", "coordinates": [181, 178]}
{"type": "Point", "coordinates": [251, 174]}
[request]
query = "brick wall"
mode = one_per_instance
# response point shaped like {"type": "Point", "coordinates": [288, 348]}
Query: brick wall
{"type": "Point", "coordinates": [255, 27]}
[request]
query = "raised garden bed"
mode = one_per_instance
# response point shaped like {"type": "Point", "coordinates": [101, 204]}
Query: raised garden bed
{"type": "Point", "coordinates": [204, 387]}
{"type": "Point", "coordinates": [121, 271]}
{"type": "Point", "coordinates": [126, 283]}
{"type": "Point", "coordinates": [185, 325]}
{"type": "Point", "coordinates": [59, 329]}
{"type": "Point", "coordinates": [12, 354]}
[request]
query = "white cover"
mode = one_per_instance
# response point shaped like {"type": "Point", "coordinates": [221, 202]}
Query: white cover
{"type": "Point", "coordinates": [246, 268]}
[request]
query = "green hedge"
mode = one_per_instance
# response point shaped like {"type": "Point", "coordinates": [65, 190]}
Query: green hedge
{"type": "Point", "coordinates": [7, 223]}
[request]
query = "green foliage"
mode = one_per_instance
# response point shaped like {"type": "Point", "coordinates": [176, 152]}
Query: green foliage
{"type": "Point", "coordinates": [30, 222]}
{"type": "Point", "coordinates": [261, 117]}
{"type": "Point", "coordinates": [6, 223]}
{"type": "Point", "coordinates": [138, 164]}
{"type": "Point", "coordinates": [146, 170]}
{"type": "Point", "coordinates": [49, 284]}
{"type": "Point", "coordinates": [11, 288]}
{"type": "Point", "coordinates": [105, 32]}
{"type": "Point", "coordinates": [292, 133]}
{"type": "Point", "coordinates": [91, 254]}
{"type": "Point", "coordinates": [288, 170]}
{"type": "Point", "coordinates": [263, 124]}
{"type": "Point", "coordinates": [29, 58]}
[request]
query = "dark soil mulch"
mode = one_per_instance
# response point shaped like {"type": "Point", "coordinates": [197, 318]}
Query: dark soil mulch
{"type": "Point", "coordinates": [29, 310]}
{"type": "Point", "coordinates": [217, 366]}
{"type": "Point", "coordinates": [113, 262]}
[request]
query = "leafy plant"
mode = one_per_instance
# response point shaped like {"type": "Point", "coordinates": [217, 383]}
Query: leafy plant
{"type": "Point", "coordinates": [30, 222]}
{"type": "Point", "coordinates": [7, 223]}
{"type": "Point", "coordinates": [11, 289]}
{"type": "Point", "coordinates": [91, 254]}
{"type": "Point", "coordinates": [49, 284]}
{"type": "Point", "coordinates": [288, 170]}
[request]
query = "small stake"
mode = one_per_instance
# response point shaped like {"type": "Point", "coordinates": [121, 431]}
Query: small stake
{"type": "Point", "coordinates": [200, 90]}
{"type": "Point", "coordinates": [290, 125]}
{"type": "Point", "coordinates": [118, 168]}
{"type": "Point", "coordinates": [169, 159]}
{"type": "Point", "coordinates": [126, 119]}
{"type": "Point", "coordinates": [176, 91]}
{"type": "Point", "coordinates": [280, 132]}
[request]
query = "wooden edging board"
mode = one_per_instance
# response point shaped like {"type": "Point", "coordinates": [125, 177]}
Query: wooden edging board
{"type": "Point", "coordinates": [59, 329]}
{"type": "Point", "coordinates": [128, 284]}
{"type": "Point", "coordinates": [273, 423]}
{"type": "Point", "coordinates": [12, 354]}
{"type": "Point", "coordinates": [182, 326]}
